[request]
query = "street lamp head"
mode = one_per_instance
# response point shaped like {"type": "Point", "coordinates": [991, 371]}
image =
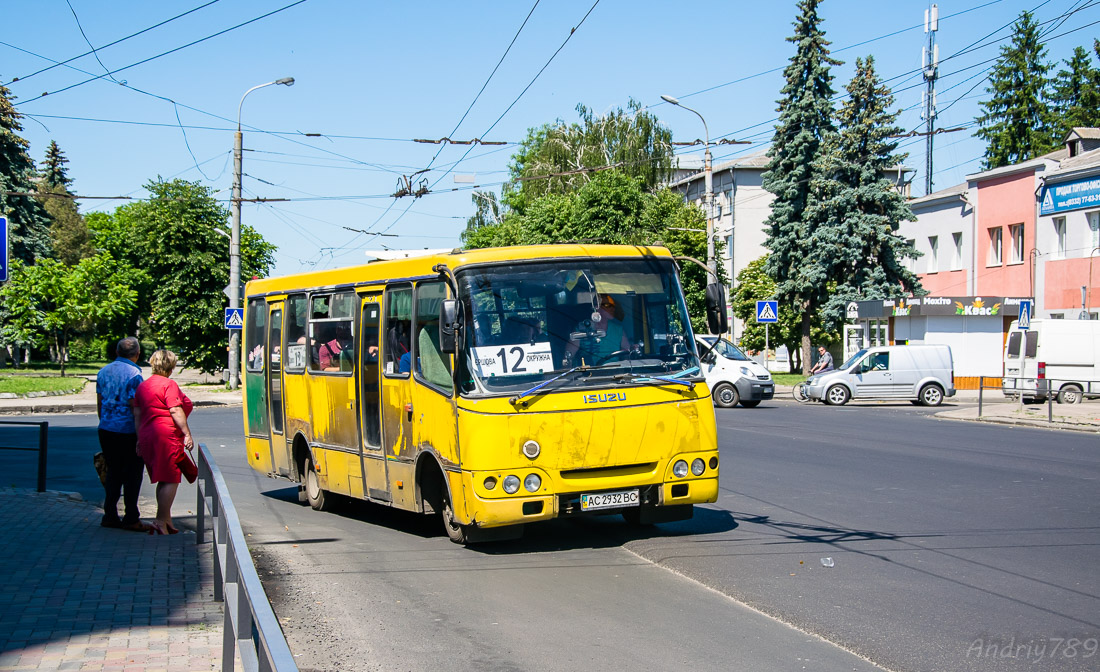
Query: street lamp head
{"type": "Point", "coordinates": [670, 100]}
{"type": "Point", "coordinates": [288, 81]}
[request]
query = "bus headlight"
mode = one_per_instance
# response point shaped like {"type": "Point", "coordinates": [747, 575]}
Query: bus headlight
{"type": "Point", "coordinates": [698, 466]}
{"type": "Point", "coordinates": [679, 470]}
{"type": "Point", "coordinates": [532, 483]}
{"type": "Point", "coordinates": [531, 449]}
{"type": "Point", "coordinates": [490, 482]}
{"type": "Point", "coordinates": [511, 484]}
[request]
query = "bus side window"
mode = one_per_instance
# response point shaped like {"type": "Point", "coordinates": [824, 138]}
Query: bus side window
{"type": "Point", "coordinates": [296, 346]}
{"type": "Point", "coordinates": [254, 335]}
{"type": "Point", "coordinates": [397, 349]}
{"type": "Point", "coordinates": [432, 366]}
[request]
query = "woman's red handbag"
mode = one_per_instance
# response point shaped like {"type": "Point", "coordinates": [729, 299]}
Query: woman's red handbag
{"type": "Point", "coordinates": [187, 467]}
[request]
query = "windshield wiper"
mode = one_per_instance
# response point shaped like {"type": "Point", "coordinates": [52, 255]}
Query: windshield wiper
{"type": "Point", "coordinates": [536, 388]}
{"type": "Point", "coordinates": [645, 378]}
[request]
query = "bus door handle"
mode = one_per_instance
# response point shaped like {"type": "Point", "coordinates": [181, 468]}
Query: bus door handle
{"type": "Point", "coordinates": [409, 412]}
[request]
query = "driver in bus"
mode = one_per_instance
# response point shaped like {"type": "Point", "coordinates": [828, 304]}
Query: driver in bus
{"type": "Point", "coordinates": [597, 349]}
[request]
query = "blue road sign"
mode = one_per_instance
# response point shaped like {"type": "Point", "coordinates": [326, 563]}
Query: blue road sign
{"type": "Point", "coordinates": [767, 311]}
{"type": "Point", "coordinates": [234, 318]}
{"type": "Point", "coordinates": [1024, 321]}
{"type": "Point", "coordinates": [3, 249]}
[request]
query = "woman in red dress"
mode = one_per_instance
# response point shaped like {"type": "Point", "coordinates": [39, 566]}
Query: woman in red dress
{"type": "Point", "coordinates": [163, 435]}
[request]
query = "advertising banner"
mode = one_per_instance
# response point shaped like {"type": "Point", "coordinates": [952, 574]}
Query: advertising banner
{"type": "Point", "coordinates": [1072, 195]}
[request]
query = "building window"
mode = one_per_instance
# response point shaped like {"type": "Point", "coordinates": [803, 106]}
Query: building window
{"type": "Point", "coordinates": [933, 254]}
{"type": "Point", "coordinates": [911, 262]}
{"type": "Point", "coordinates": [995, 246]}
{"type": "Point", "coordinates": [1057, 316]}
{"type": "Point", "coordinates": [957, 257]}
{"type": "Point", "coordinates": [1094, 229]}
{"type": "Point", "coordinates": [1059, 237]}
{"type": "Point", "coordinates": [1016, 232]}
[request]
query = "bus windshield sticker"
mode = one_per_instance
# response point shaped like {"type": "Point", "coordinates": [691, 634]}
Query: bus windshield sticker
{"type": "Point", "coordinates": [520, 359]}
{"type": "Point", "coordinates": [296, 356]}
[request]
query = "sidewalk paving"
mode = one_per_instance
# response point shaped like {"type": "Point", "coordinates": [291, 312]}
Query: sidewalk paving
{"type": "Point", "coordinates": [79, 596]}
{"type": "Point", "coordinates": [203, 390]}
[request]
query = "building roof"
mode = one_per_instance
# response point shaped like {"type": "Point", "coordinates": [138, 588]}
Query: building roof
{"type": "Point", "coordinates": [1038, 163]}
{"type": "Point", "coordinates": [1077, 163]}
{"type": "Point", "coordinates": [955, 192]}
{"type": "Point", "coordinates": [1084, 132]}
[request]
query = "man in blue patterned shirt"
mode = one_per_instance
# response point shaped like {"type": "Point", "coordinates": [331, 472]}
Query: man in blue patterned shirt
{"type": "Point", "coordinates": [115, 387]}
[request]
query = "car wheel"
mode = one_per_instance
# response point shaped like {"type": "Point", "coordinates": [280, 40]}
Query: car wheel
{"type": "Point", "coordinates": [837, 395]}
{"type": "Point", "coordinates": [750, 404]}
{"type": "Point", "coordinates": [1070, 394]}
{"type": "Point", "coordinates": [314, 494]}
{"type": "Point", "coordinates": [931, 395]}
{"type": "Point", "coordinates": [725, 395]}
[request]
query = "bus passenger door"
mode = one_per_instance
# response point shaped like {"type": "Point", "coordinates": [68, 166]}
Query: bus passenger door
{"type": "Point", "coordinates": [370, 400]}
{"type": "Point", "coordinates": [280, 454]}
{"type": "Point", "coordinates": [397, 410]}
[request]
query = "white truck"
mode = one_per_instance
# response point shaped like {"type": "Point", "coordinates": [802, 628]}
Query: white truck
{"type": "Point", "coordinates": [1053, 358]}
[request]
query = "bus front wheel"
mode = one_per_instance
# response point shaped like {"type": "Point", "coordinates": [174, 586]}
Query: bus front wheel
{"type": "Point", "coordinates": [314, 494]}
{"type": "Point", "coordinates": [456, 531]}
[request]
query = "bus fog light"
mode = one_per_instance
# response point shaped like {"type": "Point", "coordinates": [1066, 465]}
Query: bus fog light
{"type": "Point", "coordinates": [532, 483]}
{"type": "Point", "coordinates": [532, 449]}
{"type": "Point", "coordinates": [680, 469]}
{"type": "Point", "coordinates": [511, 484]}
{"type": "Point", "coordinates": [490, 482]}
{"type": "Point", "coordinates": [698, 466]}
{"type": "Point", "coordinates": [714, 463]}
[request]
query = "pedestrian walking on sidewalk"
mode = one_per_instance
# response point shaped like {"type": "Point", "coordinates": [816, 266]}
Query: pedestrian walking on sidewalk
{"type": "Point", "coordinates": [115, 386]}
{"type": "Point", "coordinates": [163, 434]}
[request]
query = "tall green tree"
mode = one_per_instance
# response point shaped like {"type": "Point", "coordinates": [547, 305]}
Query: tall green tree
{"type": "Point", "coordinates": [28, 223]}
{"type": "Point", "coordinates": [174, 238]}
{"type": "Point", "coordinates": [50, 301]}
{"type": "Point", "coordinates": [804, 132]}
{"type": "Point", "coordinates": [862, 208]}
{"type": "Point", "coordinates": [54, 173]}
{"type": "Point", "coordinates": [1075, 93]}
{"type": "Point", "coordinates": [70, 238]}
{"type": "Point", "coordinates": [1016, 122]}
{"type": "Point", "coordinates": [633, 141]}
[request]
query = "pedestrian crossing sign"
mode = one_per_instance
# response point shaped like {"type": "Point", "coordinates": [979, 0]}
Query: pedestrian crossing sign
{"type": "Point", "coordinates": [1024, 321]}
{"type": "Point", "coordinates": [767, 311]}
{"type": "Point", "coordinates": [234, 318]}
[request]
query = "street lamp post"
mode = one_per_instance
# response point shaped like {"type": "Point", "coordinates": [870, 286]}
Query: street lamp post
{"type": "Point", "coordinates": [235, 238]}
{"type": "Point", "coordinates": [708, 198]}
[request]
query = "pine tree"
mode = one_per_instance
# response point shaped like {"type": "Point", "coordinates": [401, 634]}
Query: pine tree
{"type": "Point", "coordinates": [54, 172]}
{"type": "Point", "coordinates": [804, 130]}
{"type": "Point", "coordinates": [1075, 94]}
{"type": "Point", "coordinates": [864, 208]}
{"type": "Point", "coordinates": [70, 238]}
{"type": "Point", "coordinates": [1017, 123]}
{"type": "Point", "coordinates": [28, 223]}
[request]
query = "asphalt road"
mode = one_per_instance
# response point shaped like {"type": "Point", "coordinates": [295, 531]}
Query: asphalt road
{"type": "Point", "coordinates": [955, 546]}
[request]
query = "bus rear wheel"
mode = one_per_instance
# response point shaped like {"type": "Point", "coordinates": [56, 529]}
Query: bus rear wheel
{"type": "Point", "coordinates": [314, 494]}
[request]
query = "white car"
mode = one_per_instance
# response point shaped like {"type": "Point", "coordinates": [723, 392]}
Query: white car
{"type": "Point", "coordinates": [732, 377]}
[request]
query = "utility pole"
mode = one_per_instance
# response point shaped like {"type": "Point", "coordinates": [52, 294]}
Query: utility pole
{"type": "Point", "coordinates": [930, 60]}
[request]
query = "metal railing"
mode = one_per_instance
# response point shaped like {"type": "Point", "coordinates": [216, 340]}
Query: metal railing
{"type": "Point", "coordinates": [251, 627]}
{"type": "Point", "coordinates": [1046, 389]}
{"type": "Point", "coordinates": [43, 431]}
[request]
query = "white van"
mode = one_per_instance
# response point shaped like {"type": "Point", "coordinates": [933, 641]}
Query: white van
{"type": "Point", "coordinates": [923, 374]}
{"type": "Point", "coordinates": [732, 377]}
{"type": "Point", "coordinates": [1053, 358]}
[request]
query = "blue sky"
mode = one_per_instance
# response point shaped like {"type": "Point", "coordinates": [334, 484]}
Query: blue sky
{"type": "Point", "coordinates": [371, 77]}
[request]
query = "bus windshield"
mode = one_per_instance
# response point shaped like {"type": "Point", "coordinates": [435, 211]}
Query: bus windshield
{"type": "Point", "coordinates": [529, 322]}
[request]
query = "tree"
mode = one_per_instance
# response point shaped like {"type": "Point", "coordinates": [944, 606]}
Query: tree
{"type": "Point", "coordinates": [793, 174]}
{"type": "Point", "coordinates": [50, 300]}
{"type": "Point", "coordinates": [28, 223]}
{"type": "Point", "coordinates": [861, 208]}
{"type": "Point", "coordinates": [69, 235]}
{"type": "Point", "coordinates": [1016, 122]}
{"type": "Point", "coordinates": [754, 284]}
{"type": "Point", "coordinates": [54, 173]}
{"type": "Point", "coordinates": [559, 158]}
{"type": "Point", "coordinates": [173, 237]}
{"type": "Point", "coordinates": [487, 210]}
{"type": "Point", "coordinates": [1075, 93]}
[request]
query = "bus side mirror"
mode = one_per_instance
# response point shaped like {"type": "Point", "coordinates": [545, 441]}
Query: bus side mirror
{"type": "Point", "coordinates": [718, 318]}
{"type": "Point", "coordinates": [448, 325]}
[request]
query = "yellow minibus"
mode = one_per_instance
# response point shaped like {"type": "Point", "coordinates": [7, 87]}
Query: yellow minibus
{"type": "Point", "coordinates": [492, 387]}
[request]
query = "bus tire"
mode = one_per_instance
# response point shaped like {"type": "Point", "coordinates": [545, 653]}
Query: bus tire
{"type": "Point", "coordinates": [1070, 394]}
{"type": "Point", "coordinates": [456, 531]}
{"type": "Point", "coordinates": [725, 395]}
{"type": "Point", "coordinates": [314, 494]}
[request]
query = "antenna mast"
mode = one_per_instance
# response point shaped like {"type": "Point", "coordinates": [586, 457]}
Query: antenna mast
{"type": "Point", "coordinates": [930, 60]}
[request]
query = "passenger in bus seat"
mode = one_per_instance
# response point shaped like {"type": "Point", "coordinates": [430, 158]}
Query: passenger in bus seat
{"type": "Point", "coordinates": [331, 354]}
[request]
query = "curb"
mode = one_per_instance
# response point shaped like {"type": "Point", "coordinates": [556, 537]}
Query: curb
{"type": "Point", "coordinates": [84, 407]}
{"type": "Point", "coordinates": [1025, 422]}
